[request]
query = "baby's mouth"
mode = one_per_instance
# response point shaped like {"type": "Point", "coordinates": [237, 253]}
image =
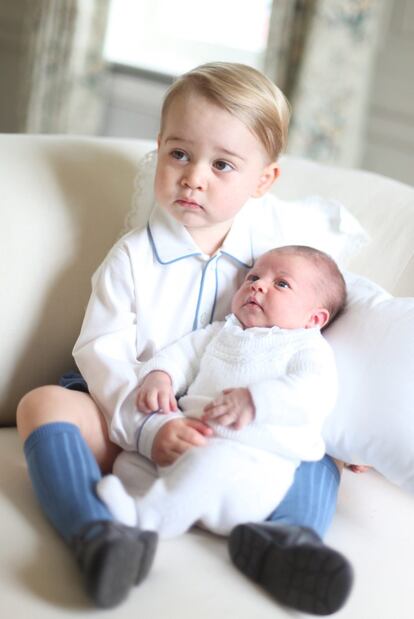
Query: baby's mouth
{"type": "Point", "coordinates": [251, 301]}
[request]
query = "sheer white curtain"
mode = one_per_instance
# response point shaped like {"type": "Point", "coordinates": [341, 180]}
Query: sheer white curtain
{"type": "Point", "coordinates": [322, 54]}
{"type": "Point", "coordinates": [63, 69]}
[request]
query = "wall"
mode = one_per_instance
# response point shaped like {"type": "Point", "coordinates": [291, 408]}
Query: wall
{"type": "Point", "coordinates": [133, 105]}
{"type": "Point", "coordinates": [389, 145]}
{"type": "Point", "coordinates": [12, 55]}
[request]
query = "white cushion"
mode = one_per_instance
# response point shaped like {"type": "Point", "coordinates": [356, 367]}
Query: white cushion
{"type": "Point", "coordinates": [373, 422]}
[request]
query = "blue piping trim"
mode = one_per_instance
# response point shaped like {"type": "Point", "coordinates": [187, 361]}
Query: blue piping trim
{"type": "Point", "coordinates": [147, 417]}
{"type": "Point", "coordinates": [154, 249]}
{"type": "Point", "coordinates": [215, 292]}
{"type": "Point", "coordinates": [200, 293]}
{"type": "Point", "coordinates": [248, 266]}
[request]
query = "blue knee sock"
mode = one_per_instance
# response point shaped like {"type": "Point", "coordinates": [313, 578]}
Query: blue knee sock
{"type": "Point", "coordinates": [311, 500]}
{"type": "Point", "coordinates": [64, 473]}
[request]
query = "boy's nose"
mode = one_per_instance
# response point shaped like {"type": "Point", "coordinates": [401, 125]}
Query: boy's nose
{"type": "Point", "coordinates": [194, 178]}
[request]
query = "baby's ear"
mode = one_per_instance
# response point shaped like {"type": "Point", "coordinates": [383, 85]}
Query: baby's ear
{"type": "Point", "coordinates": [319, 318]}
{"type": "Point", "coordinates": [266, 180]}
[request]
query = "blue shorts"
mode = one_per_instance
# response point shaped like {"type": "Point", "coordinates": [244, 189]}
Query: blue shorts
{"type": "Point", "coordinates": [73, 380]}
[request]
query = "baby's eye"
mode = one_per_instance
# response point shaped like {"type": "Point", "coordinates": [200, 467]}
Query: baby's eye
{"type": "Point", "coordinates": [180, 155]}
{"type": "Point", "coordinates": [282, 283]}
{"type": "Point", "coordinates": [252, 277]}
{"type": "Point", "coordinates": [223, 166]}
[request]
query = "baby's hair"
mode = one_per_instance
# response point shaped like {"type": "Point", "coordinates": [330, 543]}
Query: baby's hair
{"type": "Point", "coordinates": [244, 92]}
{"type": "Point", "coordinates": [330, 285]}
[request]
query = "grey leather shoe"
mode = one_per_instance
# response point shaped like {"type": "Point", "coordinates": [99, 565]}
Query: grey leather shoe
{"type": "Point", "coordinates": [113, 558]}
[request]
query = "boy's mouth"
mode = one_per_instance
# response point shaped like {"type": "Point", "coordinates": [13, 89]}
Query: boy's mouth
{"type": "Point", "coordinates": [190, 204]}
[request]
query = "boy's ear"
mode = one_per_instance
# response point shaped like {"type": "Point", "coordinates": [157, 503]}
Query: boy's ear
{"type": "Point", "coordinates": [158, 140]}
{"type": "Point", "coordinates": [267, 178]}
{"type": "Point", "coordinates": [319, 318]}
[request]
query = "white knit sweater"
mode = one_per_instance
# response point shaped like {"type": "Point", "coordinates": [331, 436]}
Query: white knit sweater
{"type": "Point", "coordinates": [291, 376]}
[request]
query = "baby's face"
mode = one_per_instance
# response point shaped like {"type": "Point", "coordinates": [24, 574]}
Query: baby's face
{"type": "Point", "coordinates": [280, 290]}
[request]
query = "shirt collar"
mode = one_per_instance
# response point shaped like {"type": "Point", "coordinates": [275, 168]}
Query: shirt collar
{"type": "Point", "coordinates": [171, 241]}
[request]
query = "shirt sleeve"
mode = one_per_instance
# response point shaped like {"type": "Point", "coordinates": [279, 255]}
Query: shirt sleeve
{"type": "Point", "coordinates": [181, 360]}
{"type": "Point", "coordinates": [292, 408]}
{"type": "Point", "coordinates": [106, 350]}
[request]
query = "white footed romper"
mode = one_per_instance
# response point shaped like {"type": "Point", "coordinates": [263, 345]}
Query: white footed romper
{"type": "Point", "coordinates": [240, 475]}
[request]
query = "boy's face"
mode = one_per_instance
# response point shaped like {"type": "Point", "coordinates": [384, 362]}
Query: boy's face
{"type": "Point", "coordinates": [280, 290]}
{"type": "Point", "coordinates": [209, 164]}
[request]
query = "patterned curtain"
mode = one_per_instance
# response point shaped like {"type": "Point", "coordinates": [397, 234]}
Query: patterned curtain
{"type": "Point", "coordinates": [322, 54]}
{"type": "Point", "coordinates": [63, 72]}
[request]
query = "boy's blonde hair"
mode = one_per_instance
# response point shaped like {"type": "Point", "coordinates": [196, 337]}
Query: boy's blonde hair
{"type": "Point", "coordinates": [330, 284]}
{"type": "Point", "coordinates": [244, 92]}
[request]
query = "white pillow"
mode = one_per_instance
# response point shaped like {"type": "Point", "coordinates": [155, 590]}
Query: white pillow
{"type": "Point", "coordinates": [373, 422]}
{"type": "Point", "coordinates": [316, 221]}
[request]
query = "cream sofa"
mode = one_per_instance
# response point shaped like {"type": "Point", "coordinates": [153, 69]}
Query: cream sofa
{"type": "Point", "coordinates": [63, 202]}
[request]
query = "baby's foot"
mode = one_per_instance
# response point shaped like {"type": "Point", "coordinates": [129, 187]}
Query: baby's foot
{"type": "Point", "coordinates": [121, 505]}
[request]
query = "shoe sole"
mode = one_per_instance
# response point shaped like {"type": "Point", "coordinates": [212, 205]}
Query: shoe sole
{"type": "Point", "coordinates": [310, 578]}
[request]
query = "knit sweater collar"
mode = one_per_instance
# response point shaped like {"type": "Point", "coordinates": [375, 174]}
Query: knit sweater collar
{"type": "Point", "coordinates": [232, 322]}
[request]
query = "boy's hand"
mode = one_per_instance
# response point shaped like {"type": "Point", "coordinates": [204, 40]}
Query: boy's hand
{"type": "Point", "coordinates": [233, 408]}
{"type": "Point", "coordinates": [176, 437]}
{"type": "Point", "coordinates": [156, 394]}
{"type": "Point", "coordinates": [357, 468]}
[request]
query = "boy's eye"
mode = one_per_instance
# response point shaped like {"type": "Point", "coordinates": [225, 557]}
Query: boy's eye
{"type": "Point", "coordinates": [252, 277]}
{"type": "Point", "coordinates": [180, 155]}
{"type": "Point", "coordinates": [223, 166]}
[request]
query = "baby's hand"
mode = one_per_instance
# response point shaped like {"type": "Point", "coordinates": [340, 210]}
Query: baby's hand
{"type": "Point", "coordinates": [156, 394]}
{"type": "Point", "coordinates": [233, 408]}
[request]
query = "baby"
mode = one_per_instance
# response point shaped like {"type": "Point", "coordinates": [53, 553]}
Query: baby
{"type": "Point", "coordinates": [264, 380]}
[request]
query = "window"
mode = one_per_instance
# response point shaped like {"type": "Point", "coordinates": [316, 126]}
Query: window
{"type": "Point", "coordinates": [172, 36]}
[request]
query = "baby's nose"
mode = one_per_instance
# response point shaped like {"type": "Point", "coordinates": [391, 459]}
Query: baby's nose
{"type": "Point", "coordinates": [259, 284]}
